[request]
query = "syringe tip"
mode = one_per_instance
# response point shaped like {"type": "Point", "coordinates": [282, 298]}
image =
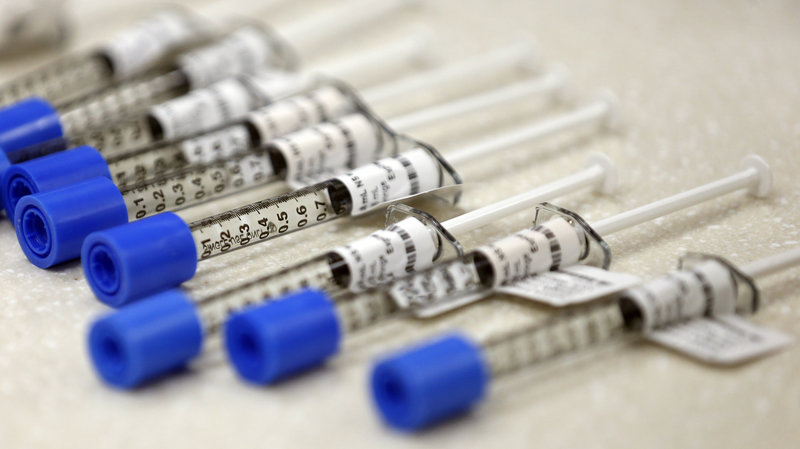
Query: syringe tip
{"type": "Point", "coordinates": [125, 263]}
{"type": "Point", "coordinates": [28, 122]}
{"type": "Point", "coordinates": [566, 93]}
{"type": "Point", "coordinates": [610, 175]}
{"type": "Point", "coordinates": [51, 226]}
{"type": "Point", "coordinates": [424, 44]}
{"type": "Point", "coordinates": [613, 120]}
{"type": "Point", "coordinates": [49, 173]}
{"type": "Point", "coordinates": [427, 384]}
{"type": "Point", "coordinates": [761, 166]}
{"type": "Point", "coordinates": [146, 340]}
{"type": "Point", "coordinates": [272, 342]}
{"type": "Point", "coordinates": [530, 53]}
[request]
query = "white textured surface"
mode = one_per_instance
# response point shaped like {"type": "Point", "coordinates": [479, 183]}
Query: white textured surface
{"type": "Point", "coordinates": [701, 83]}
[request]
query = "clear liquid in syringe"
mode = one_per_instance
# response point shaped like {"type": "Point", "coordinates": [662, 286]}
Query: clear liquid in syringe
{"type": "Point", "coordinates": [260, 127]}
{"type": "Point", "coordinates": [198, 111]}
{"type": "Point", "coordinates": [126, 54]}
{"type": "Point", "coordinates": [197, 184]}
{"type": "Point", "coordinates": [355, 192]}
{"type": "Point", "coordinates": [172, 159]}
{"type": "Point", "coordinates": [322, 145]}
{"type": "Point", "coordinates": [270, 218]}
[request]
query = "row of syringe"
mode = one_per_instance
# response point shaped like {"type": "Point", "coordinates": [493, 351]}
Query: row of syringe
{"type": "Point", "coordinates": [306, 132]}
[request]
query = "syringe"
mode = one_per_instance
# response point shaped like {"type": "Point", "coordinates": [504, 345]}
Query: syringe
{"type": "Point", "coordinates": [233, 98]}
{"type": "Point", "coordinates": [352, 140]}
{"type": "Point", "coordinates": [560, 238]}
{"type": "Point", "coordinates": [416, 241]}
{"type": "Point", "coordinates": [428, 383]}
{"type": "Point", "coordinates": [330, 101]}
{"type": "Point", "coordinates": [33, 25]}
{"type": "Point", "coordinates": [248, 50]}
{"type": "Point", "coordinates": [128, 262]}
{"type": "Point", "coordinates": [47, 173]}
{"type": "Point", "coordinates": [282, 338]}
{"type": "Point", "coordinates": [324, 104]}
{"type": "Point", "coordinates": [359, 138]}
{"type": "Point", "coordinates": [239, 52]}
{"type": "Point", "coordinates": [128, 53]}
{"type": "Point", "coordinates": [230, 78]}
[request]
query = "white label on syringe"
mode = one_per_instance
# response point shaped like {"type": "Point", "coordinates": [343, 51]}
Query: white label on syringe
{"type": "Point", "coordinates": [722, 340]}
{"type": "Point", "coordinates": [572, 285]}
{"type": "Point", "coordinates": [439, 289]}
{"type": "Point", "coordinates": [705, 289]}
{"type": "Point", "coordinates": [329, 147]}
{"type": "Point", "coordinates": [546, 247]}
{"type": "Point", "coordinates": [203, 109]}
{"type": "Point", "coordinates": [298, 112]}
{"type": "Point", "coordinates": [243, 51]}
{"type": "Point", "coordinates": [403, 248]}
{"type": "Point", "coordinates": [391, 179]}
{"type": "Point", "coordinates": [134, 50]}
{"type": "Point", "coordinates": [217, 145]}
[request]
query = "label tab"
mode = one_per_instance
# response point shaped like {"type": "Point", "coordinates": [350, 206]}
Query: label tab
{"type": "Point", "coordinates": [439, 289]}
{"type": "Point", "coordinates": [722, 340]}
{"type": "Point", "coordinates": [572, 285]}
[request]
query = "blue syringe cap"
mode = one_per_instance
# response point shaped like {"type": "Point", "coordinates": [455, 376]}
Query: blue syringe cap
{"type": "Point", "coordinates": [51, 226]}
{"type": "Point", "coordinates": [127, 263]}
{"type": "Point", "coordinates": [51, 172]}
{"type": "Point", "coordinates": [274, 341]}
{"type": "Point", "coordinates": [426, 384]}
{"type": "Point", "coordinates": [27, 123]}
{"type": "Point", "coordinates": [4, 164]}
{"type": "Point", "coordinates": [146, 340]}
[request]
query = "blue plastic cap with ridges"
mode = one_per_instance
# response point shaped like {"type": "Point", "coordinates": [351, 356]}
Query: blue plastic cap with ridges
{"type": "Point", "coordinates": [51, 226]}
{"type": "Point", "coordinates": [147, 340]}
{"type": "Point", "coordinates": [130, 262]}
{"type": "Point", "coordinates": [27, 123]}
{"type": "Point", "coordinates": [9, 158]}
{"type": "Point", "coordinates": [51, 172]}
{"type": "Point", "coordinates": [424, 385]}
{"type": "Point", "coordinates": [282, 338]}
{"type": "Point", "coordinates": [4, 164]}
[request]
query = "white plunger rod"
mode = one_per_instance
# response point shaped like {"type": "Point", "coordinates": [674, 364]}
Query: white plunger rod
{"type": "Point", "coordinates": [546, 85]}
{"type": "Point", "coordinates": [388, 58]}
{"type": "Point", "coordinates": [325, 27]}
{"type": "Point", "coordinates": [486, 65]}
{"type": "Point", "coordinates": [772, 264]}
{"type": "Point", "coordinates": [222, 8]}
{"type": "Point", "coordinates": [595, 175]}
{"type": "Point", "coordinates": [594, 111]}
{"type": "Point", "coordinates": [753, 176]}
